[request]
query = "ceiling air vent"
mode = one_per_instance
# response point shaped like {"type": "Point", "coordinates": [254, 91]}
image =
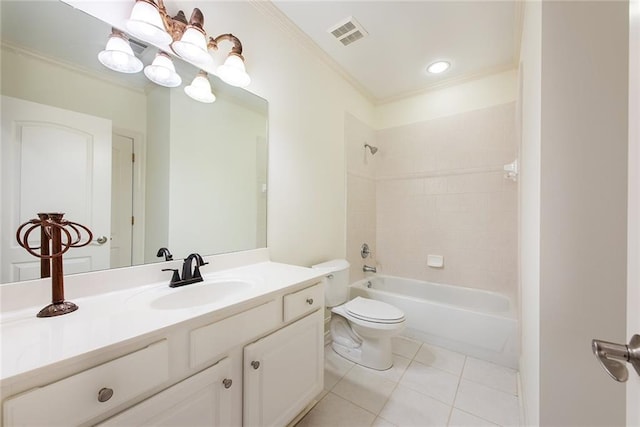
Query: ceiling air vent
{"type": "Point", "coordinates": [348, 31]}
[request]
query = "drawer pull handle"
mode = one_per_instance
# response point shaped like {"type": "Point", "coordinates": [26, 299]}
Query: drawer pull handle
{"type": "Point", "coordinates": [105, 394]}
{"type": "Point", "coordinates": [255, 364]}
{"type": "Point", "coordinates": [310, 301]}
{"type": "Point", "coordinates": [227, 382]}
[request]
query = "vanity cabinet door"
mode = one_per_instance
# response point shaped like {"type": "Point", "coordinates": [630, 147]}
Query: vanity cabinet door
{"type": "Point", "coordinates": [205, 399]}
{"type": "Point", "coordinates": [283, 372]}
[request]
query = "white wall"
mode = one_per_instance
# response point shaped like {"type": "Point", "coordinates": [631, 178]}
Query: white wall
{"type": "Point", "coordinates": [213, 175]}
{"type": "Point", "coordinates": [575, 120]}
{"type": "Point", "coordinates": [488, 91]}
{"type": "Point", "coordinates": [307, 105]}
{"type": "Point", "coordinates": [157, 173]}
{"type": "Point", "coordinates": [29, 77]}
{"type": "Point", "coordinates": [529, 208]}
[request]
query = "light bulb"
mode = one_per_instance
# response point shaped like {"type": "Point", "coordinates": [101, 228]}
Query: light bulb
{"type": "Point", "coordinates": [200, 89]}
{"type": "Point", "coordinates": [118, 54]}
{"type": "Point", "coordinates": [233, 71]}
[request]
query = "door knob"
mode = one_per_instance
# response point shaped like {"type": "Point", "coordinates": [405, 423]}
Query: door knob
{"type": "Point", "coordinates": [611, 357]}
{"type": "Point", "coordinates": [102, 240]}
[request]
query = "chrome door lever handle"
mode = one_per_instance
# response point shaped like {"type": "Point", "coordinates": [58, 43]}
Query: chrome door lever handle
{"type": "Point", "coordinates": [611, 355]}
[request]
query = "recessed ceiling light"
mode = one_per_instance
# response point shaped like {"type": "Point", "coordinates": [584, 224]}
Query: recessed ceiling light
{"type": "Point", "coordinates": [438, 67]}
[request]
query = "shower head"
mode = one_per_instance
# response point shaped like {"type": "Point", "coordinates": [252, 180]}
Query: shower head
{"type": "Point", "coordinates": [373, 149]}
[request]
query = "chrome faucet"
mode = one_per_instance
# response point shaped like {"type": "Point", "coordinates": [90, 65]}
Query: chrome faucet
{"type": "Point", "coordinates": [190, 274]}
{"type": "Point", "coordinates": [368, 269]}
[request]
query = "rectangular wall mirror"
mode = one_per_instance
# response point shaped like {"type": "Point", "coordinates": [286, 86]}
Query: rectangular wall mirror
{"type": "Point", "coordinates": [143, 166]}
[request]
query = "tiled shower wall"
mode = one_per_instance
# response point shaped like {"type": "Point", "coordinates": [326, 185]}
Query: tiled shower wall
{"type": "Point", "coordinates": [361, 195]}
{"type": "Point", "coordinates": [436, 187]}
{"type": "Point", "coordinates": [441, 190]}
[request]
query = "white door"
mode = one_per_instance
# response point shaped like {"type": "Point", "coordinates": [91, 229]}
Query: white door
{"type": "Point", "coordinates": [633, 254]}
{"type": "Point", "coordinates": [121, 201]}
{"type": "Point", "coordinates": [53, 160]}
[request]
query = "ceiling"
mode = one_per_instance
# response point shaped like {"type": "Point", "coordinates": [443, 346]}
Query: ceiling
{"type": "Point", "coordinates": [477, 37]}
{"type": "Point", "coordinates": [404, 37]}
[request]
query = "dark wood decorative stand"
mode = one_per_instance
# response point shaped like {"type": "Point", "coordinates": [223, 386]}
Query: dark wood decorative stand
{"type": "Point", "coordinates": [55, 240]}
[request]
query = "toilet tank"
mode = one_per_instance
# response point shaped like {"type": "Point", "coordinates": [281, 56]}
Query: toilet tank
{"type": "Point", "coordinates": [336, 273]}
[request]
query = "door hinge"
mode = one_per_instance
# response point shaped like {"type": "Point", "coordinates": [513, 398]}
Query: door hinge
{"type": "Point", "coordinates": [133, 157]}
{"type": "Point", "coordinates": [133, 220]}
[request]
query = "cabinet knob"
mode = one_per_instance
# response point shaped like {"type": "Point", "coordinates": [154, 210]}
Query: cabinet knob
{"type": "Point", "coordinates": [105, 394]}
{"type": "Point", "coordinates": [310, 301]}
{"type": "Point", "coordinates": [227, 382]}
{"type": "Point", "coordinates": [255, 364]}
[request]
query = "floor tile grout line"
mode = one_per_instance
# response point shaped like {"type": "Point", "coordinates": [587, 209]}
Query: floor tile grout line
{"type": "Point", "coordinates": [354, 404]}
{"type": "Point", "coordinates": [455, 396]}
{"type": "Point", "coordinates": [397, 383]}
{"type": "Point", "coordinates": [478, 416]}
{"type": "Point", "coordinates": [395, 387]}
{"type": "Point", "coordinates": [492, 388]}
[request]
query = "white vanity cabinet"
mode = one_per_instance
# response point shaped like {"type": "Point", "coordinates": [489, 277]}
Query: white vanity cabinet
{"type": "Point", "coordinates": [81, 397]}
{"type": "Point", "coordinates": [259, 364]}
{"type": "Point", "coordinates": [205, 399]}
{"type": "Point", "coordinates": [283, 372]}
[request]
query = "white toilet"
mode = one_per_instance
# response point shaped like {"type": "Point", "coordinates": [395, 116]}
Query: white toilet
{"type": "Point", "coordinates": [361, 329]}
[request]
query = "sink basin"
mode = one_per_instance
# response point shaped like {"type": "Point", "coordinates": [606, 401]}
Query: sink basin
{"type": "Point", "coordinates": [201, 293]}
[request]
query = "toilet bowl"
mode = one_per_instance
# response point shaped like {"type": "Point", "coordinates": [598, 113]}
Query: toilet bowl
{"type": "Point", "coordinates": [362, 328]}
{"type": "Point", "coordinates": [361, 331]}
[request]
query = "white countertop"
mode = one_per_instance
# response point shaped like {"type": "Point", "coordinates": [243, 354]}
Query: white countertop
{"type": "Point", "coordinates": [109, 318]}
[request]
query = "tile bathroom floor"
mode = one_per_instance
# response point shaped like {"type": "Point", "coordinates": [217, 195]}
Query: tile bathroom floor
{"type": "Point", "coordinates": [427, 386]}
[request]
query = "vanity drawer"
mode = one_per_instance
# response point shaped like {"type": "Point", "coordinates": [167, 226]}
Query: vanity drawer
{"type": "Point", "coordinates": [303, 301]}
{"type": "Point", "coordinates": [75, 400]}
{"type": "Point", "coordinates": [211, 341]}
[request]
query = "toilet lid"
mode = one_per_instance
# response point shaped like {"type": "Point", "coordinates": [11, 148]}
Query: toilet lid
{"type": "Point", "coordinates": [374, 311]}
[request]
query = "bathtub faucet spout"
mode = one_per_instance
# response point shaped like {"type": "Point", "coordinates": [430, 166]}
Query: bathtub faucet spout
{"type": "Point", "coordinates": [368, 269]}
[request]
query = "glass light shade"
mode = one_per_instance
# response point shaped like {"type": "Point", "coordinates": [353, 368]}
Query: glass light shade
{"type": "Point", "coordinates": [146, 23]}
{"type": "Point", "coordinates": [118, 56]}
{"type": "Point", "coordinates": [438, 67]}
{"type": "Point", "coordinates": [162, 71]}
{"type": "Point", "coordinates": [192, 46]}
{"type": "Point", "coordinates": [233, 72]}
{"type": "Point", "coordinates": [200, 89]}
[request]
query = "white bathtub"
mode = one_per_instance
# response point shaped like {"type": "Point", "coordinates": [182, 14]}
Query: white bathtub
{"type": "Point", "coordinates": [478, 323]}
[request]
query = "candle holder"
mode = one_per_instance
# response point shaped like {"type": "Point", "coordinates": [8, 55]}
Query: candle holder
{"type": "Point", "coordinates": [55, 241]}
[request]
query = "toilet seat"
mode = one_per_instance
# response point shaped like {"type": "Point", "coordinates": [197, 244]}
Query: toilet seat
{"type": "Point", "coordinates": [373, 311]}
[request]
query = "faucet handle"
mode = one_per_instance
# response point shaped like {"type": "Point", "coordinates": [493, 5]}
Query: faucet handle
{"type": "Point", "coordinates": [176, 276]}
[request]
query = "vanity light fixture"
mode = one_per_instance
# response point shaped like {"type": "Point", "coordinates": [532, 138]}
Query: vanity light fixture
{"type": "Point", "coordinates": [200, 89]}
{"type": "Point", "coordinates": [438, 67]}
{"type": "Point", "coordinates": [118, 54]}
{"type": "Point", "coordinates": [162, 71]}
{"type": "Point", "coordinates": [187, 39]}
